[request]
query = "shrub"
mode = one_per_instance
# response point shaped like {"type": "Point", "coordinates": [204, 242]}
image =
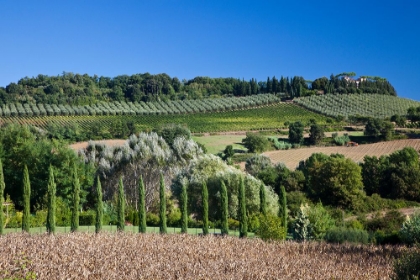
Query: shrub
{"type": "Point", "coordinates": [255, 143]}
{"type": "Point", "coordinates": [341, 235]}
{"type": "Point", "coordinates": [152, 220]}
{"type": "Point", "coordinates": [233, 224]}
{"type": "Point", "coordinates": [410, 231]}
{"type": "Point", "coordinates": [271, 228]}
{"type": "Point", "coordinates": [408, 266]}
{"type": "Point", "coordinates": [87, 218]}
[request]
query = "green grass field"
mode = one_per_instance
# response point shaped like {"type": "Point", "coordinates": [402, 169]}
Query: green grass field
{"type": "Point", "coordinates": [132, 229]}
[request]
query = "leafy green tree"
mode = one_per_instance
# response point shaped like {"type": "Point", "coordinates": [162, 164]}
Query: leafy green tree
{"type": "Point", "coordinates": [142, 206]}
{"type": "Point", "coordinates": [99, 209]}
{"type": "Point", "coordinates": [296, 132]}
{"type": "Point", "coordinates": [225, 210]}
{"type": "Point", "coordinates": [205, 200]}
{"type": "Point", "coordinates": [320, 221]}
{"type": "Point", "coordinates": [257, 163]}
{"type": "Point", "coordinates": [171, 131]}
{"type": "Point", "coordinates": [410, 231]}
{"type": "Point", "coordinates": [271, 228]}
{"type": "Point", "coordinates": [74, 226]}
{"type": "Point", "coordinates": [255, 143]}
{"type": "Point", "coordinates": [336, 182]}
{"type": "Point", "coordinates": [26, 223]}
{"type": "Point", "coordinates": [263, 203]}
{"type": "Point", "coordinates": [372, 172]}
{"type": "Point", "coordinates": [184, 209]}
{"type": "Point", "coordinates": [162, 210]}
{"type": "Point", "coordinates": [51, 202]}
{"type": "Point", "coordinates": [2, 186]}
{"type": "Point", "coordinates": [379, 129]}
{"type": "Point", "coordinates": [283, 206]}
{"type": "Point", "coordinates": [121, 207]}
{"type": "Point", "coordinates": [243, 221]}
{"type": "Point", "coordinates": [228, 152]}
{"type": "Point", "coordinates": [316, 134]}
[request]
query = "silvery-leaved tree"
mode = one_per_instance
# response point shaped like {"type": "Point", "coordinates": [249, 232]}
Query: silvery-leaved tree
{"type": "Point", "coordinates": [145, 154]}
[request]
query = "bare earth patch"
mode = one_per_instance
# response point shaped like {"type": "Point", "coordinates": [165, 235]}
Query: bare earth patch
{"type": "Point", "coordinates": [291, 158]}
{"type": "Point", "coordinates": [111, 142]}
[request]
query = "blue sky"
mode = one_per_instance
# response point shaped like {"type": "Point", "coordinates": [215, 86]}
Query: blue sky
{"type": "Point", "coordinates": [240, 39]}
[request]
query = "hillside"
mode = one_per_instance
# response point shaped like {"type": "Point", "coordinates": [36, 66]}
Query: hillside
{"type": "Point", "coordinates": [365, 105]}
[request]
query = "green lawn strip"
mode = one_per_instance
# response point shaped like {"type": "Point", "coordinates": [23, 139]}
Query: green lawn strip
{"type": "Point", "coordinates": [113, 228]}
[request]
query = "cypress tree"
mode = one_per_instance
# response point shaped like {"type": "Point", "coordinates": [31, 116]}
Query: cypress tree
{"type": "Point", "coordinates": [225, 209]}
{"type": "Point", "coordinates": [142, 206]}
{"type": "Point", "coordinates": [2, 186]}
{"type": "Point", "coordinates": [51, 202]}
{"type": "Point", "coordinates": [162, 210]}
{"type": "Point", "coordinates": [243, 222]}
{"type": "Point", "coordinates": [120, 207]}
{"type": "Point", "coordinates": [99, 206]}
{"type": "Point", "coordinates": [184, 209]}
{"type": "Point", "coordinates": [205, 199]}
{"type": "Point", "coordinates": [283, 206]}
{"type": "Point", "coordinates": [263, 203]}
{"type": "Point", "coordinates": [74, 223]}
{"type": "Point", "coordinates": [26, 200]}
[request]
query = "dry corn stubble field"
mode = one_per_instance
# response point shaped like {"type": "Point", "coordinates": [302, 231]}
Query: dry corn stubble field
{"type": "Point", "coordinates": [291, 158]}
{"type": "Point", "coordinates": [153, 256]}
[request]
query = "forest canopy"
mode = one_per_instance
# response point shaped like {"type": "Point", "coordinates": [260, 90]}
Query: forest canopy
{"type": "Point", "coordinates": [77, 89]}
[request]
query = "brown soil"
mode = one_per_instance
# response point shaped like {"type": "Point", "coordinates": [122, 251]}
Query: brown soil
{"type": "Point", "coordinates": [111, 142]}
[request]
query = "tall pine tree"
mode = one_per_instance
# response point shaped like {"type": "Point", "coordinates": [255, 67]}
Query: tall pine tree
{"type": "Point", "coordinates": [99, 206]}
{"type": "Point", "coordinates": [184, 208]}
{"type": "Point", "coordinates": [162, 210]}
{"type": "Point", "coordinates": [225, 208]}
{"type": "Point", "coordinates": [74, 223]}
{"type": "Point", "coordinates": [243, 221]}
{"type": "Point", "coordinates": [2, 186]}
{"type": "Point", "coordinates": [263, 203]}
{"type": "Point", "coordinates": [142, 206]}
{"type": "Point", "coordinates": [120, 206]}
{"type": "Point", "coordinates": [51, 202]}
{"type": "Point", "coordinates": [26, 224]}
{"type": "Point", "coordinates": [283, 206]}
{"type": "Point", "coordinates": [205, 200]}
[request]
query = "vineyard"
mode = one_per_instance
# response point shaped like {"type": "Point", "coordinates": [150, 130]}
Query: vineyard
{"type": "Point", "coordinates": [269, 116]}
{"type": "Point", "coordinates": [138, 108]}
{"type": "Point", "coordinates": [367, 105]}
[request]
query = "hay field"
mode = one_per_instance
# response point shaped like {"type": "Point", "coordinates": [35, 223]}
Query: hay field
{"type": "Point", "coordinates": [291, 158]}
{"type": "Point", "coordinates": [153, 256]}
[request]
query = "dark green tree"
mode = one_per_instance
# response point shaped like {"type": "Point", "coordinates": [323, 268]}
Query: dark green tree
{"type": "Point", "coordinates": [225, 210]}
{"type": "Point", "coordinates": [205, 200]}
{"type": "Point", "coordinates": [184, 209]}
{"type": "Point", "coordinates": [255, 143]}
{"type": "Point", "coordinates": [74, 226]}
{"type": "Point", "coordinates": [2, 187]}
{"type": "Point", "coordinates": [51, 202]}
{"type": "Point", "coordinates": [142, 206]}
{"type": "Point", "coordinates": [228, 152]}
{"type": "Point", "coordinates": [243, 221]}
{"type": "Point", "coordinates": [296, 132]}
{"type": "Point", "coordinates": [121, 206]}
{"type": "Point", "coordinates": [316, 134]}
{"type": "Point", "coordinates": [283, 206]}
{"type": "Point", "coordinates": [26, 223]}
{"type": "Point", "coordinates": [162, 209]}
{"type": "Point", "coordinates": [263, 203]}
{"type": "Point", "coordinates": [99, 206]}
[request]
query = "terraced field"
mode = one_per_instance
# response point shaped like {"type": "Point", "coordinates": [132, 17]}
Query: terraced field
{"type": "Point", "coordinates": [367, 105]}
{"type": "Point", "coordinates": [291, 158]}
{"type": "Point", "coordinates": [260, 118]}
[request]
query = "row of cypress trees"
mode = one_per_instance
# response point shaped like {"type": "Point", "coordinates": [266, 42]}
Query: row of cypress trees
{"type": "Point", "coordinates": [50, 224]}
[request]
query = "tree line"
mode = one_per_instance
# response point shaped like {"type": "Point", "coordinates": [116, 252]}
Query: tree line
{"type": "Point", "coordinates": [77, 89]}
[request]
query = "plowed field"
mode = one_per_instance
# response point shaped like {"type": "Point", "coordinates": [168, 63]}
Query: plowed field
{"type": "Point", "coordinates": [291, 158]}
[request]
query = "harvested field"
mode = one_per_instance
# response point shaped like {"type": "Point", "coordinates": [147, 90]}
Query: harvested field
{"type": "Point", "coordinates": [291, 158]}
{"type": "Point", "coordinates": [153, 256]}
{"type": "Point", "coordinates": [111, 142]}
